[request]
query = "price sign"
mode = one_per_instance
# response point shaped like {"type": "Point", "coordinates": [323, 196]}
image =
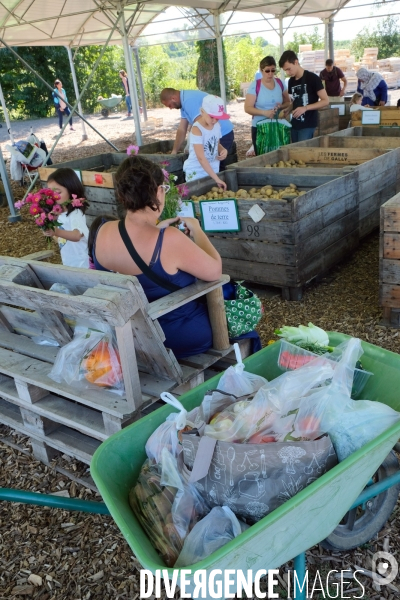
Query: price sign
{"type": "Point", "coordinates": [187, 209]}
{"type": "Point", "coordinates": [219, 215]}
{"type": "Point", "coordinates": [371, 117]}
{"type": "Point", "coordinates": [341, 107]}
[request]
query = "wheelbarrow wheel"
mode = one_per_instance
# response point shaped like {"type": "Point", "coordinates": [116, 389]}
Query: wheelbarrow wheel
{"type": "Point", "coordinates": [361, 524]}
{"type": "Point", "coordinates": [105, 112]}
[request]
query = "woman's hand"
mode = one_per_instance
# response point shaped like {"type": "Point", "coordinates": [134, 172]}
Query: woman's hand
{"type": "Point", "coordinates": [382, 103]}
{"type": "Point", "coordinates": [49, 232]}
{"type": "Point", "coordinates": [167, 222]}
{"type": "Point", "coordinates": [191, 226]}
{"type": "Point", "coordinates": [269, 114]}
{"type": "Point", "coordinates": [220, 183]}
{"type": "Point", "coordinates": [223, 153]}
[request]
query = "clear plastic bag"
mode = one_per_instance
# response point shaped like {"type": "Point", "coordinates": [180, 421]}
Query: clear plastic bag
{"type": "Point", "coordinates": [90, 358]}
{"type": "Point", "coordinates": [215, 530]}
{"type": "Point", "coordinates": [166, 506]}
{"type": "Point", "coordinates": [166, 435]}
{"type": "Point", "coordinates": [237, 381]}
{"type": "Point", "coordinates": [272, 412]}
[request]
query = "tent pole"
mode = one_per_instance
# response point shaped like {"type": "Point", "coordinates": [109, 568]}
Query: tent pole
{"type": "Point", "coordinates": [6, 115]}
{"type": "Point", "coordinates": [326, 47]}
{"type": "Point", "coordinates": [220, 55]}
{"type": "Point", "coordinates": [132, 80]}
{"type": "Point", "coordinates": [330, 34]}
{"type": "Point", "coordinates": [7, 188]}
{"type": "Point", "coordinates": [281, 46]}
{"type": "Point", "coordinates": [71, 62]}
{"type": "Point", "coordinates": [140, 80]}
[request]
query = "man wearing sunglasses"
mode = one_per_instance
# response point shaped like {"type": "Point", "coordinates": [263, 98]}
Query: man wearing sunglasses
{"type": "Point", "coordinates": [189, 102]}
{"type": "Point", "coordinates": [308, 96]}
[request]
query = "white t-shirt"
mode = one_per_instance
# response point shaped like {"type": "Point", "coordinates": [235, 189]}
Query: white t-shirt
{"type": "Point", "coordinates": [74, 254]}
{"type": "Point", "coordinates": [209, 139]}
{"type": "Point", "coordinates": [356, 107]}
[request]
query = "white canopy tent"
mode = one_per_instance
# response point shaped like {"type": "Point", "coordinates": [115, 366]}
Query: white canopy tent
{"type": "Point", "coordinates": [75, 23]}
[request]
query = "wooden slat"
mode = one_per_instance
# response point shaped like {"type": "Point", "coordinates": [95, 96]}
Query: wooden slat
{"type": "Point", "coordinates": [98, 179]}
{"type": "Point", "coordinates": [391, 245]}
{"type": "Point", "coordinates": [389, 295]}
{"type": "Point", "coordinates": [35, 372]}
{"type": "Point", "coordinates": [337, 156]}
{"type": "Point", "coordinates": [126, 348]}
{"type": "Point", "coordinates": [63, 439]}
{"type": "Point", "coordinates": [181, 297]}
{"type": "Point", "coordinates": [63, 411]}
{"type": "Point", "coordinates": [389, 271]}
{"type": "Point", "coordinates": [364, 142]}
{"type": "Point", "coordinates": [24, 345]}
{"type": "Point", "coordinates": [41, 255]}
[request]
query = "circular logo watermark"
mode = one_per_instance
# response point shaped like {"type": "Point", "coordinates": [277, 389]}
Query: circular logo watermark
{"type": "Point", "coordinates": [384, 568]}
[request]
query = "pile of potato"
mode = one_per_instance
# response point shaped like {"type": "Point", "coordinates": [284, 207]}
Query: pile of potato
{"type": "Point", "coordinates": [288, 164]}
{"type": "Point", "coordinates": [265, 193]}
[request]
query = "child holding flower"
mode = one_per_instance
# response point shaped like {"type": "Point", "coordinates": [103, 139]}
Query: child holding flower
{"type": "Point", "coordinates": [72, 235]}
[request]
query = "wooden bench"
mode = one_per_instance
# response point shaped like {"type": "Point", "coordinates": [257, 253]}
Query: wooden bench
{"type": "Point", "coordinates": [65, 418]}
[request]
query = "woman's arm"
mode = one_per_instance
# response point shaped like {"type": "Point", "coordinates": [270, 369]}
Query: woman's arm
{"type": "Point", "coordinates": [250, 109]}
{"type": "Point", "coordinates": [196, 256]}
{"type": "Point", "coordinates": [383, 89]}
{"type": "Point", "coordinates": [199, 151]}
{"type": "Point", "coordinates": [71, 236]}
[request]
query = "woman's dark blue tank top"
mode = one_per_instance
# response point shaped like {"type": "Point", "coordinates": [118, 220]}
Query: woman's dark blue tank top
{"type": "Point", "coordinates": [187, 329]}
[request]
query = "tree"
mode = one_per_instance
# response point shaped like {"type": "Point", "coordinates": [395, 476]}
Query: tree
{"type": "Point", "coordinates": [385, 36]}
{"type": "Point", "coordinates": [207, 74]}
{"type": "Point", "coordinates": [314, 38]}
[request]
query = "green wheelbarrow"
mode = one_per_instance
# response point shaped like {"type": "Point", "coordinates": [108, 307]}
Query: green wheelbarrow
{"type": "Point", "coordinates": [348, 502]}
{"type": "Point", "coordinates": [109, 104]}
{"type": "Point", "coordinates": [342, 509]}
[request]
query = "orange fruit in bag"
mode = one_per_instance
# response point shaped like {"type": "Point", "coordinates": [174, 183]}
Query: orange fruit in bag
{"type": "Point", "coordinates": [102, 365]}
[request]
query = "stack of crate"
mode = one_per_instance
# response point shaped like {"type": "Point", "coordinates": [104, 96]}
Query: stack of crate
{"type": "Point", "coordinates": [389, 261]}
{"type": "Point", "coordinates": [370, 58]}
{"type": "Point", "coordinates": [319, 60]}
{"type": "Point", "coordinates": [390, 78]}
{"type": "Point", "coordinates": [307, 60]}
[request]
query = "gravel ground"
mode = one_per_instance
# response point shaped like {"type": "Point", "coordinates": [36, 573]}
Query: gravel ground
{"type": "Point", "coordinates": [82, 557]}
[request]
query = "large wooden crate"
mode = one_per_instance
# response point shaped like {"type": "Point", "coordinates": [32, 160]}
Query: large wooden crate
{"type": "Point", "coordinates": [389, 261]}
{"type": "Point", "coordinates": [297, 239]}
{"type": "Point", "coordinates": [343, 119]}
{"type": "Point", "coordinates": [378, 168]}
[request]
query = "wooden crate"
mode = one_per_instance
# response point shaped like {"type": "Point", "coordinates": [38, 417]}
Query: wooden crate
{"type": "Point", "coordinates": [328, 121]}
{"type": "Point", "coordinates": [61, 417]}
{"type": "Point", "coordinates": [297, 239]}
{"type": "Point", "coordinates": [99, 186]}
{"type": "Point", "coordinates": [378, 168]}
{"type": "Point", "coordinates": [390, 117]}
{"type": "Point", "coordinates": [389, 261]}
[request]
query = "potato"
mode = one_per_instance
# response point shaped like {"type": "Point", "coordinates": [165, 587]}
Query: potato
{"type": "Point", "coordinates": [267, 166]}
{"type": "Point", "coordinates": [214, 189]}
{"type": "Point", "coordinates": [293, 186]}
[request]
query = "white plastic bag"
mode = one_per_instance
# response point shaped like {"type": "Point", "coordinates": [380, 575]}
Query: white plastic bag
{"type": "Point", "coordinates": [237, 381]}
{"type": "Point", "coordinates": [215, 530]}
{"type": "Point", "coordinates": [166, 435]}
{"type": "Point", "coordinates": [91, 358]}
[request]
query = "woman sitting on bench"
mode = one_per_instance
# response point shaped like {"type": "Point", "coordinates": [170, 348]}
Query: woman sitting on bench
{"type": "Point", "coordinates": [163, 259]}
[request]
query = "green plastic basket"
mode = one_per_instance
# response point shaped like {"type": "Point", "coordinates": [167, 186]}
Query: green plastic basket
{"type": "Point", "coordinates": [303, 521]}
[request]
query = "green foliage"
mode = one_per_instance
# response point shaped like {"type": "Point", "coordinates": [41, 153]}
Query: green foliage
{"type": "Point", "coordinates": [207, 74]}
{"type": "Point", "coordinates": [243, 58]}
{"type": "Point", "coordinates": [314, 38]}
{"type": "Point", "coordinates": [385, 36]}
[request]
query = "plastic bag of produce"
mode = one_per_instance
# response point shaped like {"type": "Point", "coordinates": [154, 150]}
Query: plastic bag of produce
{"type": "Point", "coordinates": [237, 381]}
{"type": "Point", "coordinates": [166, 435]}
{"type": "Point", "coordinates": [91, 358]}
{"type": "Point", "coordinates": [218, 528]}
{"type": "Point", "coordinates": [272, 411]}
{"type": "Point", "coordinates": [166, 507]}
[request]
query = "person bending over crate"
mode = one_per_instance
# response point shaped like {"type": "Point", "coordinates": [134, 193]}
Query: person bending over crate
{"type": "Point", "coordinates": [205, 148]}
{"type": "Point", "coordinates": [189, 102]}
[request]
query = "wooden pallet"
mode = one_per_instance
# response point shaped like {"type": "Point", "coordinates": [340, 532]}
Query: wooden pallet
{"type": "Point", "coordinates": [67, 418]}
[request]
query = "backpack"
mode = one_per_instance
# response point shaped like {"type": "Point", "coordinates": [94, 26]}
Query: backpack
{"type": "Point", "coordinates": [258, 86]}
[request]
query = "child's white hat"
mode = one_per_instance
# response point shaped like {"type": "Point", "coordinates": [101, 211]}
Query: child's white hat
{"type": "Point", "coordinates": [214, 106]}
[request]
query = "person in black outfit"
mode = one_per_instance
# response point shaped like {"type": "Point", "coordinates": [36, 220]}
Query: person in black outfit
{"type": "Point", "coordinates": [308, 96]}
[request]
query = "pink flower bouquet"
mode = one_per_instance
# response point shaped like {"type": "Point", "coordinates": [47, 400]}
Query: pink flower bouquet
{"type": "Point", "coordinates": [45, 209]}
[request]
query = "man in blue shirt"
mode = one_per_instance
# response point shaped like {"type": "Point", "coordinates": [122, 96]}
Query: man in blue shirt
{"type": "Point", "coordinates": [189, 102]}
